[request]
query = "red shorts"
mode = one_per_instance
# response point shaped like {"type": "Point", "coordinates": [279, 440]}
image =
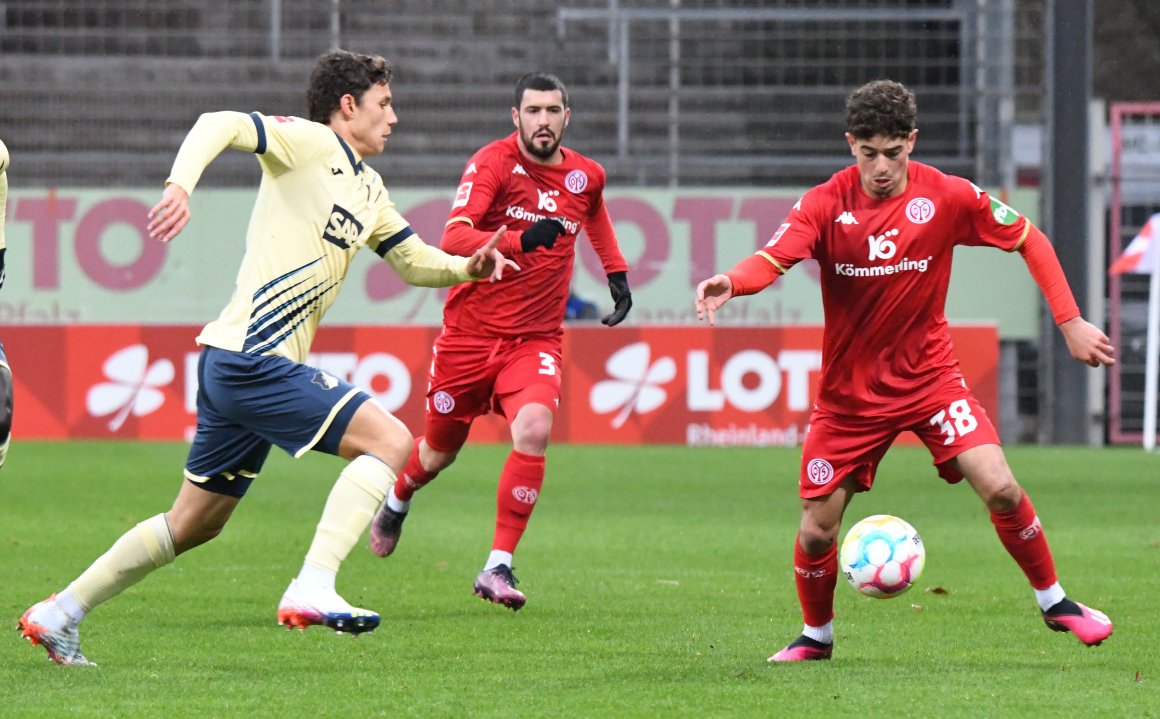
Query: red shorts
{"type": "Point", "coordinates": [949, 421]}
{"type": "Point", "coordinates": [472, 375]}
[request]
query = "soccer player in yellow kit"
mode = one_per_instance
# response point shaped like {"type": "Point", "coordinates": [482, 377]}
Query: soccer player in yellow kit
{"type": "Point", "coordinates": [318, 204]}
{"type": "Point", "coordinates": [5, 372]}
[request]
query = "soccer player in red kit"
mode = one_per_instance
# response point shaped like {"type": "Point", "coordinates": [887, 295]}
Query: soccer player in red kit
{"type": "Point", "coordinates": [883, 231]}
{"type": "Point", "coordinates": [500, 349]}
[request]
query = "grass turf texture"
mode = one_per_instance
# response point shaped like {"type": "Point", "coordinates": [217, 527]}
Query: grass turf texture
{"type": "Point", "coordinates": [659, 579]}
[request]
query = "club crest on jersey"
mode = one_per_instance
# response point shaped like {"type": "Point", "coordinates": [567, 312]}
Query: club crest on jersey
{"type": "Point", "coordinates": [576, 182]}
{"type": "Point", "coordinates": [920, 210]}
{"type": "Point", "coordinates": [343, 229]}
{"type": "Point", "coordinates": [462, 195]}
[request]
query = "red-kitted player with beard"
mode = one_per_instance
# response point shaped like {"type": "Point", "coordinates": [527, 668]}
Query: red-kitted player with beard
{"type": "Point", "coordinates": [884, 232]}
{"type": "Point", "coordinates": [500, 349]}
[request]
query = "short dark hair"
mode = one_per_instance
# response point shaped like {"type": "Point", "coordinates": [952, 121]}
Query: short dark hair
{"type": "Point", "coordinates": [339, 73]}
{"type": "Point", "coordinates": [540, 81]}
{"type": "Point", "coordinates": [881, 107]}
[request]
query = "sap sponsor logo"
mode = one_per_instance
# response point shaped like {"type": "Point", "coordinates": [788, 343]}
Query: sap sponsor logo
{"type": "Point", "coordinates": [848, 269]}
{"type": "Point", "coordinates": [133, 388]}
{"type": "Point", "coordinates": [847, 218]}
{"type": "Point", "coordinates": [920, 210]}
{"type": "Point", "coordinates": [751, 435]}
{"type": "Point", "coordinates": [576, 182]}
{"type": "Point", "coordinates": [462, 195]}
{"type": "Point", "coordinates": [882, 247]}
{"type": "Point", "coordinates": [749, 380]}
{"type": "Point", "coordinates": [819, 471]}
{"type": "Point", "coordinates": [343, 229]}
{"type": "Point", "coordinates": [516, 212]}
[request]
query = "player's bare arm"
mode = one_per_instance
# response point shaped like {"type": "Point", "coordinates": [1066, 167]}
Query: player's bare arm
{"type": "Point", "coordinates": [711, 294]}
{"type": "Point", "coordinates": [488, 261]}
{"type": "Point", "coordinates": [169, 216]}
{"type": "Point", "coordinates": [1088, 343]}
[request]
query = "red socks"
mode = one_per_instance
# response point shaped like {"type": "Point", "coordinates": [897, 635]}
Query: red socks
{"type": "Point", "coordinates": [1021, 534]}
{"type": "Point", "coordinates": [413, 476]}
{"type": "Point", "coordinates": [816, 576]}
{"type": "Point", "coordinates": [519, 486]}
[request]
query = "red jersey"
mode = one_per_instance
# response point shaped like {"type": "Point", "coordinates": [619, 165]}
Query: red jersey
{"type": "Point", "coordinates": [885, 268]}
{"type": "Point", "coordinates": [502, 187]}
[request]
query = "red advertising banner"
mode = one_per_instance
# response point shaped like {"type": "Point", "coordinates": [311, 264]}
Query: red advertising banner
{"type": "Point", "coordinates": [647, 385]}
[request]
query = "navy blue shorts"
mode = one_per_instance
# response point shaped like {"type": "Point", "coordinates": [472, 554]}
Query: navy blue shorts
{"type": "Point", "coordinates": [246, 403]}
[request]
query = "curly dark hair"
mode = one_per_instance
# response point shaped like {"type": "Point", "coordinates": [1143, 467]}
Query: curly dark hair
{"type": "Point", "coordinates": [339, 73]}
{"type": "Point", "coordinates": [881, 107]}
{"type": "Point", "coordinates": [540, 81]}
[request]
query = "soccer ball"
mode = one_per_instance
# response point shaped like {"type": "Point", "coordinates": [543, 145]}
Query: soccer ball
{"type": "Point", "coordinates": [882, 556]}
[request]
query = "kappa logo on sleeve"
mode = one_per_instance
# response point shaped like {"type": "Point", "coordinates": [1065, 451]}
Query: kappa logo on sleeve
{"type": "Point", "coordinates": [462, 195]}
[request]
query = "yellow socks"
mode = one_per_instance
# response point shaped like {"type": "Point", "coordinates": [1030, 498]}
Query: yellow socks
{"type": "Point", "coordinates": [142, 549]}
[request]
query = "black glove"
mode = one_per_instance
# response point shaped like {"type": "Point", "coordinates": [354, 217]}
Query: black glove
{"type": "Point", "coordinates": [541, 234]}
{"type": "Point", "coordinates": [2, 275]}
{"type": "Point", "coordinates": [618, 286]}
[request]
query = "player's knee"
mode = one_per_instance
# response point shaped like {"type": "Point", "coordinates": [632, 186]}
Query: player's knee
{"type": "Point", "coordinates": [532, 429]}
{"type": "Point", "coordinates": [816, 535]}
{"type": "Point", "coordinates": [1002, 495]}
{"type": "Point", "coordinates": [189, 532]}
{"type": "Point", "coordinates": [814, 541]}
{"type": "Point", "coordinates": [394, 446]}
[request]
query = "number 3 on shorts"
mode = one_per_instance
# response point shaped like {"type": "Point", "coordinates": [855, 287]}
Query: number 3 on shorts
{"type": "Point", "coordinates": [547, 364]}
{"type": "Point", "coordinates": [956, 417]}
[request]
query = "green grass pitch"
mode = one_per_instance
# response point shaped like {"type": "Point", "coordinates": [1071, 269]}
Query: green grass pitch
{"type": "Point", "coordinates": [659, 579]}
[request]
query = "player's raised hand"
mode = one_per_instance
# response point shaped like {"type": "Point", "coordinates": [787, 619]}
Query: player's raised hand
{"type": "Point", "coordinates": [488, 261]}
{"type": "Point", "coordinates": [1087, 343]}
{"type": "Point", "coordinates": [169, 216]}
{"type": "Point", "coordinates": [711, 294]}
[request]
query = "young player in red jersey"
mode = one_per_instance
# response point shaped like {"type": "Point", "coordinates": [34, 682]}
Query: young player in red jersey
{"type": "Point", "coordinates": [500, 349]}
{"type": "Point", "coordinates": [883, 231]}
